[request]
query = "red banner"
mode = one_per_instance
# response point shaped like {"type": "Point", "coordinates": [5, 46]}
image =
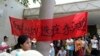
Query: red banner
{"type": "Point", "coordinates": [61, 28]}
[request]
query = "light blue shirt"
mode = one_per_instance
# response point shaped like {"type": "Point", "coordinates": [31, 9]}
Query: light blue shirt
{"type": "Point", "coordinates": [52, 52]}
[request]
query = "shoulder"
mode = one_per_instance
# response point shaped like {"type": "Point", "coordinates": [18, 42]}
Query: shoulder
{"type": "Point", "coordinates": [2, 42]}
{"type": "Point", "coordinates": [32, 52]}
{"type": "Point", "coordinates": [96, 40]}
{"type": "Point", "coordinates": [92, 39]}
{"type": "Point", "coordinates": [15, 51]}
{"type": "Point", "coordinates": [5, 54]}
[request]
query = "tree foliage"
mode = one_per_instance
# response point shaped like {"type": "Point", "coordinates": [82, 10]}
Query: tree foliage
{"type": "Point", "coordinates": [26, 2]}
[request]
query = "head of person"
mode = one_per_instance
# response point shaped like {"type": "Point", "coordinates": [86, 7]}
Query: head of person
{"type": "Point", "coordinates": [79, 38]}
{"type": "Point", "coordinates": [62, 48]}
{"type": "Point", "coordinates": [94, 37]}
{"type": "Point", "coordinates": [5, 38]}
{"type": "Point", "coordinates": [51, 45]}
{"type": "Point", "coordinates": [83, 38]}
{"type": "Point", "coordinates": [24, 43]}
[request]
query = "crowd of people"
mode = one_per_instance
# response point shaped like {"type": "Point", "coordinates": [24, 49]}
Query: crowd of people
{"type": "Point", "coordinates": [22, 48]}
{"type": "Point", "coordinates": [82, 46]}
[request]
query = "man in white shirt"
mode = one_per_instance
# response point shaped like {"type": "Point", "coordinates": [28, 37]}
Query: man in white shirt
{"type": "Point", "coordinates": [94, 43]}
{"type": "Point", "coordinates": [61, 52]}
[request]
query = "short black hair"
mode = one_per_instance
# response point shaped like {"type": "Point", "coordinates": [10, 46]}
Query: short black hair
{"type": "Point", "coordinates": [5, 37]}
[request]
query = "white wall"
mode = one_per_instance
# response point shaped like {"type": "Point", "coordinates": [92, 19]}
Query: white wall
{"type": "Point", "coordinates": [98, 29]}
{"type": "Point", "coordinates": [9, 8]}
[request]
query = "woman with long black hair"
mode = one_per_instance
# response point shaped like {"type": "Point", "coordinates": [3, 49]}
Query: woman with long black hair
{"type": "Point", "coordinates": [23, 46]}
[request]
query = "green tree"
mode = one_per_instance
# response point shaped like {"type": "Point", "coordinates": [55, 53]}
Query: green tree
{"type": "Point", "coordinates": [26, 2]}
